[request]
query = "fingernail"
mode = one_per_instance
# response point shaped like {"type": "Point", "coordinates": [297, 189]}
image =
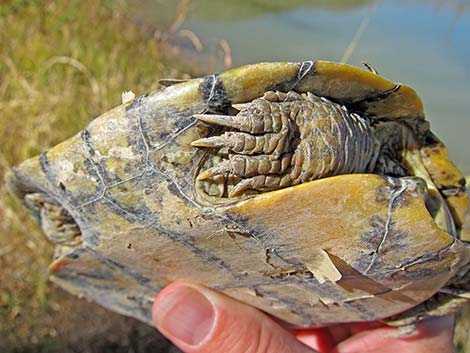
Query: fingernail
{"type": "Point", "coordinates": [436, 324]}
{"type": "Point", "coordinates": [184, 314]}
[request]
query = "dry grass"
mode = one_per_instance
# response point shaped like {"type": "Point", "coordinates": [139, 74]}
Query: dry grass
{"type": "Point", "coordinates": [61, 64]}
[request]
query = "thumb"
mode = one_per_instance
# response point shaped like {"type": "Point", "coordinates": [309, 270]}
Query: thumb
{"type": "Point", "coordinates": [199, 320]}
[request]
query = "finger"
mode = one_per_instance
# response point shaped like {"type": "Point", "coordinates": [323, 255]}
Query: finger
{"type": "Point", "coordinates": [319, 339]}
{"type": "Point", "coordinates": [199, 320]}
{"type": "Point", "coordinates": [431, 335]}
{"type": "Point", "coordinates": [324, 339]}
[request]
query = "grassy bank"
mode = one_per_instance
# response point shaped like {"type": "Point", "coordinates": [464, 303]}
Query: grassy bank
{"type": "Point", "coordinates": [61, 64]}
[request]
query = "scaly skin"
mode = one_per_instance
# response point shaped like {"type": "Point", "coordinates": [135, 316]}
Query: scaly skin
{"type": "Point", "coordinates": [285, 139]}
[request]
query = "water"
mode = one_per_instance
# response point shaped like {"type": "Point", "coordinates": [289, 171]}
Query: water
{"type": "Point", "coordinates": [424, 44]}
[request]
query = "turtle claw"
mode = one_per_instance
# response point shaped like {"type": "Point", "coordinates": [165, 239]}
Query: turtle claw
{"type": "Point", "coordinates": [238, 142]}
{"type": "Point", "coordinates": [241, 187]}
{"type": "Point", "coordinates": [238, 122]}
{"type": "Point", "coordinates": [212, 142]}
{"type": "Point", "coordinates": [220, 169]}
{"type": "Point", "coordinates": [222, 120]}
{"type": "Point", "coordinates": [260, 183]}
{"type": "Point", "coordinates": [240, 106]}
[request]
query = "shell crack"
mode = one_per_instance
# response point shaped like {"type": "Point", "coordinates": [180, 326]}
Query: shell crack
{"type": "Point", "coordinates": [393, 198]}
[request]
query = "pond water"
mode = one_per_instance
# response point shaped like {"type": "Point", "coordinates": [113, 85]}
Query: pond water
{"type": "Point", "coordinates": [424, 44]}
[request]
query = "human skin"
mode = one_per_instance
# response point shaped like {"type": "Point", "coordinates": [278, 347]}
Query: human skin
{"type": "Point", "coordinates": [199, 320]}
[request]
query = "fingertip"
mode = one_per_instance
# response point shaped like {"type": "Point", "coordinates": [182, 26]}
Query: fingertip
{"type": "Point", "coordinates": [319, 339]}
{"type": "Point", "coordinates": [166, 291]}
{"type": "Point", "coordinates": [184, 314]}
{"type": "Point", "coordinates": [160, 296]}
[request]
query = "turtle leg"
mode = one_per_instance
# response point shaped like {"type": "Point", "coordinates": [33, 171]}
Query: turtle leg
{"type": "Point", "coordinates": [263, 144]}
{"type": "Point", "coordinates": [290, 174]}
{"type": "Point", "coordinates": [261, 173]}
{"type": "Point", "coordinates": [249, 166]}
{"type": "Point", "coordinates": [261, 183]}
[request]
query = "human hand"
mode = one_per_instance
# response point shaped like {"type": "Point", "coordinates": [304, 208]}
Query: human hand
{"type": "Point", "coordinates": [199, 320]}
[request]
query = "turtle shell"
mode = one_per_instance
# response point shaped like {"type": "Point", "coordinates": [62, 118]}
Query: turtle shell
{"type": "Point", "coordinates": [120, 201]}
